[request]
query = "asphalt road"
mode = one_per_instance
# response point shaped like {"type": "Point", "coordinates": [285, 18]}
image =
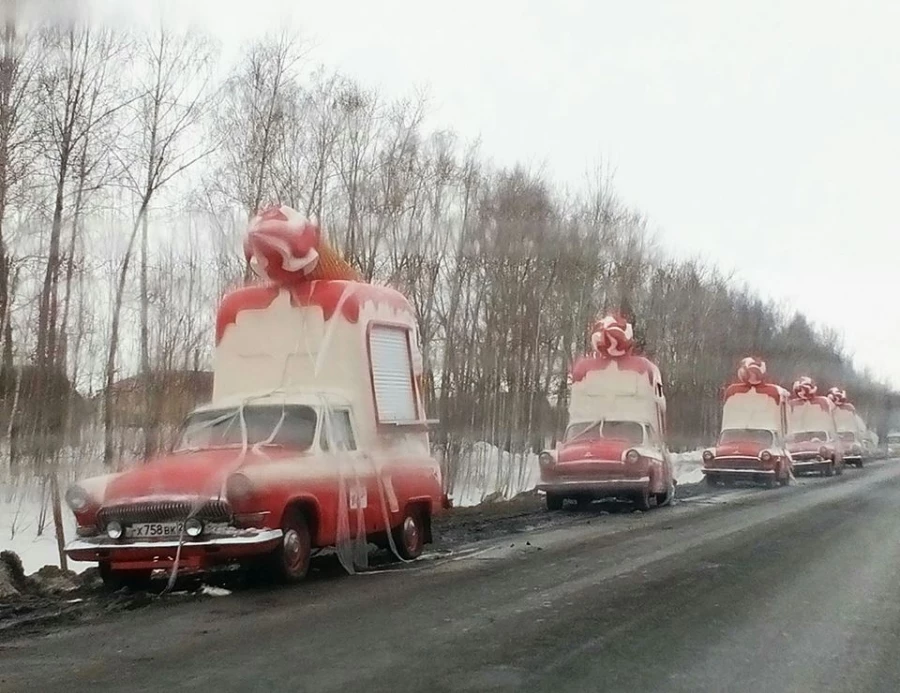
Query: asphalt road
{"type": "Point", "coordinates": [793, 589]}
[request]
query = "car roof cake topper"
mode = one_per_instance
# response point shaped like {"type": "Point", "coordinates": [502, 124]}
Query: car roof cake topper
{"type": "Point", "coordinates": [838, 396]}
{"type": "Point", "coordinates": [612, 337]}
{"type": "Point", "coordinates": [752, 371]}
{"type": "Point", "coordinates": [804, 388]}
{"type": "Point", "coordinates": [286, 248]}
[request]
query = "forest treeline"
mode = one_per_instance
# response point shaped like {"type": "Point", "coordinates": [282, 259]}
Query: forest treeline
{"type": "Point", "coordinates": [131, 160]}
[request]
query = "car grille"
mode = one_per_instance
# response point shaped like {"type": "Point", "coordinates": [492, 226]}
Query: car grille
{"type": "Point", "coordinates": [736, 462]}
{"type": "Point", "coordinates": [163, 511]}
{"type": "Point", "coordinates": [805, 456]}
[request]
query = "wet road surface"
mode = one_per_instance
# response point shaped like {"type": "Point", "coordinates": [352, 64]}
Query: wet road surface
{"type": "Point", "coordinates": [792, 589]}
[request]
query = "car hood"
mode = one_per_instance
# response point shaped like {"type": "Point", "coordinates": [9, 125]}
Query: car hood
{"type": "Point", "coordinates": [741, 449]}
{"type": "Point", "coordinates": [808, 446]}
{"type": "Point", "coordinates": [575, 451]}
{"type": "Point", "coordinates": [186, 474]}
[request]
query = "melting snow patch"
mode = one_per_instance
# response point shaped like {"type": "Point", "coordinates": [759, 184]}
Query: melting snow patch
{"type": "Point", "coordinates": [211, 591]}
{"type": "Point", "coordinates": [688, 466]}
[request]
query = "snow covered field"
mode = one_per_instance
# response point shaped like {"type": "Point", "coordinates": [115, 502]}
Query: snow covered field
{"type": "Point", "coordinates": [26, 526]}
{"type": "Point", "coordinates": [485, 473]}
{"type": "Point", "coordinates": [488, 473]}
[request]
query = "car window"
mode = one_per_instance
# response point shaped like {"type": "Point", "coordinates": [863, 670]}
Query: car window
{"type": "Point", "coordinates": [629, 431]}
{"type": "Point", "coordinates": [337, 434]}
{"type": "Point", "coordinates": [289, 426]}
{"type": "Point", "coordinates": [746, 435]}
{"type": "Point", "coordinates": [808, 436]}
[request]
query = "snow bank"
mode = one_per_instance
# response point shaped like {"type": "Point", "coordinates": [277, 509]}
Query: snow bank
{"type": "Point", "coordinates": [26, 514]}
{"type": "Point", "coordinates": [26, 526]}
{"type": "Point", "coordinates": [486, 473]}
{"type": "Point", "coordinates": [688, 466]}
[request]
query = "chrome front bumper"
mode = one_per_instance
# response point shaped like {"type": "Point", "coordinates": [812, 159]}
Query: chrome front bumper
{"type": "Point", "coordinates": [737, 472]}
{"type": "Point", "coordinates": [600, 487]}
{"type": "Point", "coordinates": [102, 548]}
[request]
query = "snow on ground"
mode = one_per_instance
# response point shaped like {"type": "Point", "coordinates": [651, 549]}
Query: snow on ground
{"type": "Point", "coordinates": [26, 516]}
{"type": "Point", "coordinates": [485, 472]}
{"type": "Point", "coordinates": [688, 466]}
{"type": "Point", "coordinates": [26, 526]}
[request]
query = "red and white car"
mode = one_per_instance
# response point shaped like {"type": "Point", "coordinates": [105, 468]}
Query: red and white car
{"type": "Point", "coordinates": [850, 427]}
{"type": "Point", "coordinates": [813, 438]}
{"type": "Point", "coordinates": [315, 437]}
{"type": "Point", "coordinates": [751, 445]}
{"type": "Point", "coordinates": [614, 444]}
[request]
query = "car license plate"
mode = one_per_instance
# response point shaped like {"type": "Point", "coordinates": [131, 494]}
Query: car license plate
{"type": "Point", "coordinates": [154, 530]}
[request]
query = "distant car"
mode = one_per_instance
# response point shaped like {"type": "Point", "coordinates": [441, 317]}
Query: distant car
{"type": "Point", "coordinates": [813, 439]}
{"type": "Point", "coordinates": [614, 445]}
{"type": "Point", "coordinates": [751, 446]}
{"type": "Point", "coordinates": [816, 451]}
{"type": "Point", "coordinates": [893, 444]}
{"type": "Point", "coordinates": [852, 446]}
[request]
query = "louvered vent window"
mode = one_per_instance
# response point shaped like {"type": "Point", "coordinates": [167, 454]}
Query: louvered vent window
{"type": "Point", "coordinates": [392, 377]}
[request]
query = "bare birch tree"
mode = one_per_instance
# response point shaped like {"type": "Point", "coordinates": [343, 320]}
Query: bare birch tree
{"type": "Point", "coordinates": [172, 101]}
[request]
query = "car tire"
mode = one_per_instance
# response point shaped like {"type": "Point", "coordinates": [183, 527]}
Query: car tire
{"type": "Point", "coordinates": [642, 500]}
{"type": "Point", "coordinates": [409, 535]}
{"type": "Point", "coordinates": [859, 464]}
{"type": "Point", "coordinates": [554, 502]}
{"type": "Point", "coordinates": [664, 499]}
{"type": "Point", "coordinates": [134, 580]}
{"type": "Point", "coordinates": [290, 561]}
{"type": "Point", "coordinates": [839, 469]}
{"type": "Point", "coordinates": [585, 503]}
{"type": "Point", "coordinates": [711, 481]}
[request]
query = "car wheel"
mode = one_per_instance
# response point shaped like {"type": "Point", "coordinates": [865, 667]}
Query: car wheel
{"type": "Point", "coordinates": [115, 580]}
{"type": "Point", "coordinates": [785, 477]}
{"type": "Point", "coordinates": [664, 499]}
{"type": "Point", "coordinates": [409, 536]}
{"type": "Point", "coordinates": [642, 500]}
{"type": "Point", "coordinates": [839, 469]}
{"type": "Point", "coordinates": [554, 502]}
{"type": "Point", "coordinates": [290, 561]}
{"type": "Point", "coordinates": [711, 480]}
{"type": "Point", "coordinates": [585, 503]}
{"type": "Point", "coordinates": [859, 464]}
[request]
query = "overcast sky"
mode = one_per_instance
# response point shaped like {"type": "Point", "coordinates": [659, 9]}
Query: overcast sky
{"type": "Point", "coordinates": [761, 136]}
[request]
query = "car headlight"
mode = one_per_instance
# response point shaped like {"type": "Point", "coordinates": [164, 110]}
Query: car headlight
{"type": "Point", "coordinates": [765, 455]}
{"type": "Point", "coordinates": [824, 452]}
{"type": "Point", "coordinates": [114, 530]}
{"type": "Point", "coordinates": [545, 459]}
{"type": "Point", "coordinates": [708, 456]}
{"type": "Point", "coordinates": [77, 498]}
{"type": "Point", "coordinates": [632, 456]}
{"type": "Point", "coordinates": [193, 527]}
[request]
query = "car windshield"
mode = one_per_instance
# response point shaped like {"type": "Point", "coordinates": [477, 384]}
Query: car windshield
{"type": "Point", "coordinates": [291, 426]}
{"type": "Point", "coordinates": [746, 435]}
{"type": "Point", "coordinates": [807, 436]}
{"type": "Point", "coordinates": [628, 431]}
{"type": "Point", "coordinates": [847, 436]}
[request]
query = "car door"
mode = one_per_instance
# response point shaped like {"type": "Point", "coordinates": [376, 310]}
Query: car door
{"type": "Point", "coordinates": [363, 485]}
